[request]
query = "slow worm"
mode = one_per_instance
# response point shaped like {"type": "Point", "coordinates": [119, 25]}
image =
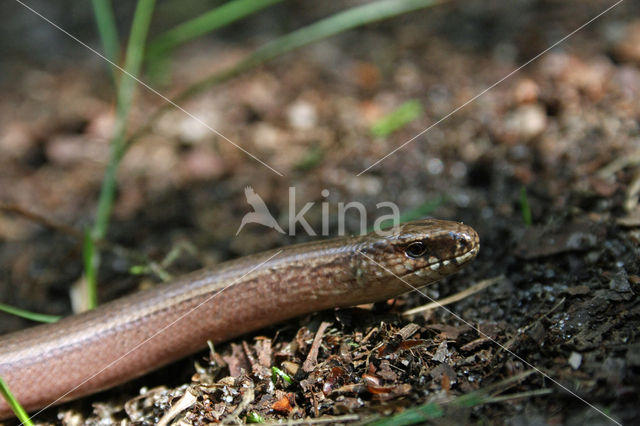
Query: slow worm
{"type": "Point", "coordinates": [82, 354]}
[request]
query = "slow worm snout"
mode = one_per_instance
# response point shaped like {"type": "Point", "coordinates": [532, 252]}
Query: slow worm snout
{"type": "Point", "coordinates": [85, 353]}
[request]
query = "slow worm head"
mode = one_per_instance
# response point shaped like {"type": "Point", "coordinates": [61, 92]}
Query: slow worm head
{"type": "Point", "coordinates": [123, 339]}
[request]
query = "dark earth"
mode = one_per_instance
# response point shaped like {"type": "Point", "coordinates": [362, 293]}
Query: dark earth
{"type": "Point", "coordinates": [559, 139]}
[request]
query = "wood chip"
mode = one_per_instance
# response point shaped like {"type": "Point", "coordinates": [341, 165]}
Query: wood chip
{"type": "Point", "coordinates": [236, 361]}
{"type": "Point", "coordinates": [442, 353]}
{"type": "Point", "coordinates": [284, 404]}
{"type": "Point", "coordinates": [408, 331]}
{"type": "Point", "coordinates": [475, 343]}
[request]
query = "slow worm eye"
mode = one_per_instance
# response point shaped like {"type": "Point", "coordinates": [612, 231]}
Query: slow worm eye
{"type": "Point", "coordinates": [416, 249]}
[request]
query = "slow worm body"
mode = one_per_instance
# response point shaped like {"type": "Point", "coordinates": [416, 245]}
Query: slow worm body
{"type": "Point", "coordinates": [82, 354]}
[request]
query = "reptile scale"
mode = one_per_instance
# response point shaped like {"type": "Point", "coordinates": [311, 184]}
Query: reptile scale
{"type": "Point", "coordinates": [82, 354]}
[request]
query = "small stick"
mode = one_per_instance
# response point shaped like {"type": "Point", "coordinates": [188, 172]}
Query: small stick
{"type": "Point", "coordinates": [456, 297]}
{"type": "Point", "coordinates": [312, 360]}
{"type": "Point", "coordinates": [38, 218]}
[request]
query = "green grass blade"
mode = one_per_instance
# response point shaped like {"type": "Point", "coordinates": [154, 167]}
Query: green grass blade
{"type": "Point", "coordinates": [108, 30]}
{"type": "Point", "coordinates": [126, 90]}
{"type": "Point", "coordinates": [424, 209]}
{"type": "Point", "coordinates": [276, 372]}
{"type": "Point", "coordinates": [335, 24]}
{"type": "Point", "coordinates": [91, 259]}
{"type": "Point", "coordinates": [434, 410]}
{"type": "Point", "coordinates": [33, 316]}
{"type": "Point", "coordinates": [254, 417]}
{"type": "Point", "coordinates": [312, 158]}
{"type": "Point", "coordinates": [524, 206]}
{"type": "Point", "coordinates": [205, 23]}
{"type": "Point", "coordinates": [397, 119]}
{"type": "Point", "coordinates": [20, 413]}
{"type": "Point", "coordinates": [411, 416]}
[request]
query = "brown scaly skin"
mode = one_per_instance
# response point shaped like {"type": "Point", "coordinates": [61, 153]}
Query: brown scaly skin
{"type": "Point", "coordinates": [82, 354]}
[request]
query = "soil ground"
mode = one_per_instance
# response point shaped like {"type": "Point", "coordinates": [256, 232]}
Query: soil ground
{"type": "Point", "coordinates": [564, 130]}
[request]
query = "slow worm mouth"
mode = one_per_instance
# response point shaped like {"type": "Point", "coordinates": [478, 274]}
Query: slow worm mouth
{"type": "Point", "coordinates": [311, 276]}
{"type": "Point", "coordinates": [465, 257]}
{"type": "Point", "coordinates": [448, 265]}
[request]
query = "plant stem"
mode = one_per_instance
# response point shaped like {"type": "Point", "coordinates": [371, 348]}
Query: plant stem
{"type": "Point", "coordinates": [108, 31]}
{"type": "Point", "coordinates": [126, 90]}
